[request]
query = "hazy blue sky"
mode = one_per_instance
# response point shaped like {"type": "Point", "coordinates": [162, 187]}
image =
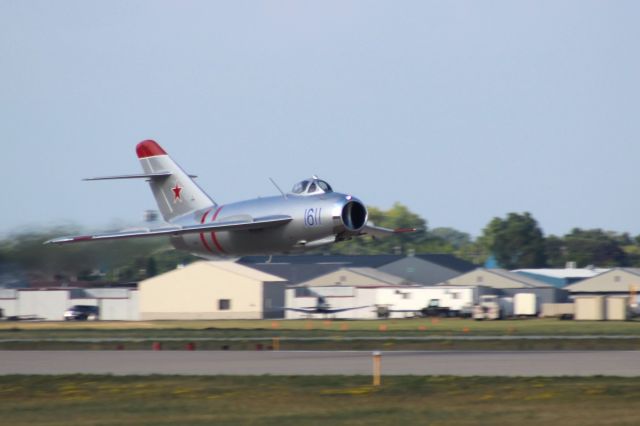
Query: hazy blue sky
{"type": "Point", "coordinates": [462, 110]}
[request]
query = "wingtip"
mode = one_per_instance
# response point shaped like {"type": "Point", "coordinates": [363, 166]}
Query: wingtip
{"type": "Point", "coordinates": [404, 230]}
{"type": "Point", "coordinates": [63, 240]}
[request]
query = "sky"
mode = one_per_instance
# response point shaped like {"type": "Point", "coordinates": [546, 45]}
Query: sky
{"type": "Point", "coordinates": [460, 110]}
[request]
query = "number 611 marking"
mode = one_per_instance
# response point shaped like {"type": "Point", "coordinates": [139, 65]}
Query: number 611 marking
{"type": "Point", "coordinates": [312, 217]}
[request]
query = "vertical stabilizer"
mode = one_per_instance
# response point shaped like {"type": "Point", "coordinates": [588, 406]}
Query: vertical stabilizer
{"type": "Point", "coordinates": [176, 194]}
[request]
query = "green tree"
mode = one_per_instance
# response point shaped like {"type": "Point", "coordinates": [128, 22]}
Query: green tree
{"type": "Point", "coordinates": [595, 247]}
{"type": "Point", "coordinates": [27, 252]}
{"type": "Point", "coordinates": [455, 238]}
{"type": "Point", "coordinates": [555, 250]}
{"type": "Point", "coordinates": [152, 267]}
{"type": "Point", "coordinates": [398, 216]}
{"type": "Point", "coordinates": [516, 242]}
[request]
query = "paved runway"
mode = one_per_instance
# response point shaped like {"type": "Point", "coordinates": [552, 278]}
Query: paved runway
{"type": "Point", "coordinates": [520, 363]}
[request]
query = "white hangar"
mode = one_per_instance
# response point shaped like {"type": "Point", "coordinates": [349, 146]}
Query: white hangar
{"type": "Point", "coordinates": [212, 290]}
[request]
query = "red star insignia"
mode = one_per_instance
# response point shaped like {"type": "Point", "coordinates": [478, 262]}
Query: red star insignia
{"type": "Point", "coordinates": [176, 192]}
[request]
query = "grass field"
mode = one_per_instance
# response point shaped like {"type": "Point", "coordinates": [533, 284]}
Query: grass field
{"type": "Point", "coordinates": [266, 400]}
{"type": "Point", "coordinates": [444, 327]}
{"type": "Point", "coordinates": [329, 334]}
{"type": "Point", "coordinates": [337, 343]}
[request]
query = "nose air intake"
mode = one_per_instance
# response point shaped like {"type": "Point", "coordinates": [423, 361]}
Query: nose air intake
{"type": "Point", "coordinates": [354, 216]}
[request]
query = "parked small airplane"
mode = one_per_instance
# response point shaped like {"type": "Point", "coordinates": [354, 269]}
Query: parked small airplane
{"type": "Point", "coordinates": [322, 307]}
{"type": "Point", "coordinates": [310, 216]}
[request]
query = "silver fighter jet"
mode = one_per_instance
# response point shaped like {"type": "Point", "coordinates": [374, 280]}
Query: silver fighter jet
{"type": "Point", "coordinates": [312, 215]}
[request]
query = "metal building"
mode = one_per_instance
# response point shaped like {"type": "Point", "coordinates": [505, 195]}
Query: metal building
{"type": "Point", "coordinates": [212, 290]}
{"type": "Point", "coordinates": [373, 290]}
{"type": "Point", "coordinates": [50, 304]}
{"type": "Point", "coordinates": [614, 282]}
{"type": "Point", "coordinates": [507, 284]}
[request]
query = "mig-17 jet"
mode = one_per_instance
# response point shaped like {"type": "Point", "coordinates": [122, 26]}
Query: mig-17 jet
{"type": "Point", "coordinates": [311, 215]}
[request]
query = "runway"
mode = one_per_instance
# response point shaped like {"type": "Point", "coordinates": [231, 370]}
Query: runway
{"type": "Point", "coordinates": [507, 363]}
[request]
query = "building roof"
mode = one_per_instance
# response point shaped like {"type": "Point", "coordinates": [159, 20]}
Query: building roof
{"type": "Point", "coordinates": [300, 268]}
{"type": "Point", "coordinates": [503, 279]}
{"type": "Point", "coordinates": [228, 266]}
{"type": "Point", "coordinates": [523, 279]}
{"type": "Point", "coordinates": [294, 273]}
{"type": "Point", "coordinates": [448, 261]}
{"type": "Point", "coordinates": [565, 273]}
{"type": "Point", "coordinates": [617, 280]}
{"type": "Point", "coordinates": [380, 276]}
{"type": "Point", "coordinates": [356, 277]}
{"type": "Point", "coordinates": [372, 261]}
{"type": "Point", "coordinates": [245, 271]}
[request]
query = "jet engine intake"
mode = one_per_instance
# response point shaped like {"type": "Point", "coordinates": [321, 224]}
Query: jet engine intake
{"type": "Point", "coordinates": [354, 216]}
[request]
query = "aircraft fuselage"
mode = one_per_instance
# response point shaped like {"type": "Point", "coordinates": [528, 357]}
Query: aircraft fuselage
{"type": "Point", "coordinates": [316, 220]}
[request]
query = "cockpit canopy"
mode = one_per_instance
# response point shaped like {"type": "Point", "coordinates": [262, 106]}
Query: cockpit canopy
{"type": "Point", "coordinates": [311, 186]}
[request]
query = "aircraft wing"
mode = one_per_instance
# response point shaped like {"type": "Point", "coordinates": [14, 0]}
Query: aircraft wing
{"type": "Point", "coordinates": [303, 310]}
{"type": "Point", "coordinates": [323, 311]}
{"type": "Point", "coordinates": [333, 311]}
{"type": "Point", "coordinates": [232, 225]}
{"type": "Point", "coordinates": [380, 232]}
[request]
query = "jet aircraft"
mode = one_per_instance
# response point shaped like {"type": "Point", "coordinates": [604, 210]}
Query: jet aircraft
{"type": "Point", "coordinates": [312, 215]}
{"type": "Point", "coordinates": [323, 307]}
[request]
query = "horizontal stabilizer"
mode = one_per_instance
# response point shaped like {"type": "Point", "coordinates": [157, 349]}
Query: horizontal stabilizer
{"type": "Point", "coordinates": [232, 225]}
{"type": "Point", "coordinates": [156, 175]}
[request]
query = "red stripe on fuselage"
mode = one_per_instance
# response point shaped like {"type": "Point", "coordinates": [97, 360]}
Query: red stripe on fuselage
{"type": "Point", "coordinates": [202, 238]}
{"type": "Point", "coordinates": [214, 238]}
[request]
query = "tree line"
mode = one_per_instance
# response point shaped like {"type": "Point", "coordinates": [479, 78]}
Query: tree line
{"type": "Point", "coordinates": [514, 241]}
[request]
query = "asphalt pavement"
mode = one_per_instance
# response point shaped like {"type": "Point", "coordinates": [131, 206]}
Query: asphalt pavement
{"type": "Point", "coordinates": [459, 363]}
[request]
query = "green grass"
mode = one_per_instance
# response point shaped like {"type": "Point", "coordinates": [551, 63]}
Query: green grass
{"type": "Point", "coordinates": [341, 343]}
{"type": "Point", "coordinates": [332, 334]}
{"type": "Point", "coordinates": [267, 400]}
{"type": "Point", "coordinates": [256, 328]}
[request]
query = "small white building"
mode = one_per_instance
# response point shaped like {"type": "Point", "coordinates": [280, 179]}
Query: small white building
{"type": "Point", "coordinates": [50, 304]}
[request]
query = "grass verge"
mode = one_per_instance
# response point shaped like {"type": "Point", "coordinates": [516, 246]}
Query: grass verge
{"type": "Point", "coordinates": [318, 327]}
{"type": "Point", "coordinates": [316, 400]}
{"type": "Point", "coordinates": [339, 343]}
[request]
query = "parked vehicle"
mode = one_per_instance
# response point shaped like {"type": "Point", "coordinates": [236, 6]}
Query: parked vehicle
{"type": "Point", "coordinates": [524, 305]}
{"type": "Point", "coordinates": [82, 313]}
{"type": "Point", "coordinates": [488, 308]}
{"type": "Point", "coordinates": [434, 309]}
